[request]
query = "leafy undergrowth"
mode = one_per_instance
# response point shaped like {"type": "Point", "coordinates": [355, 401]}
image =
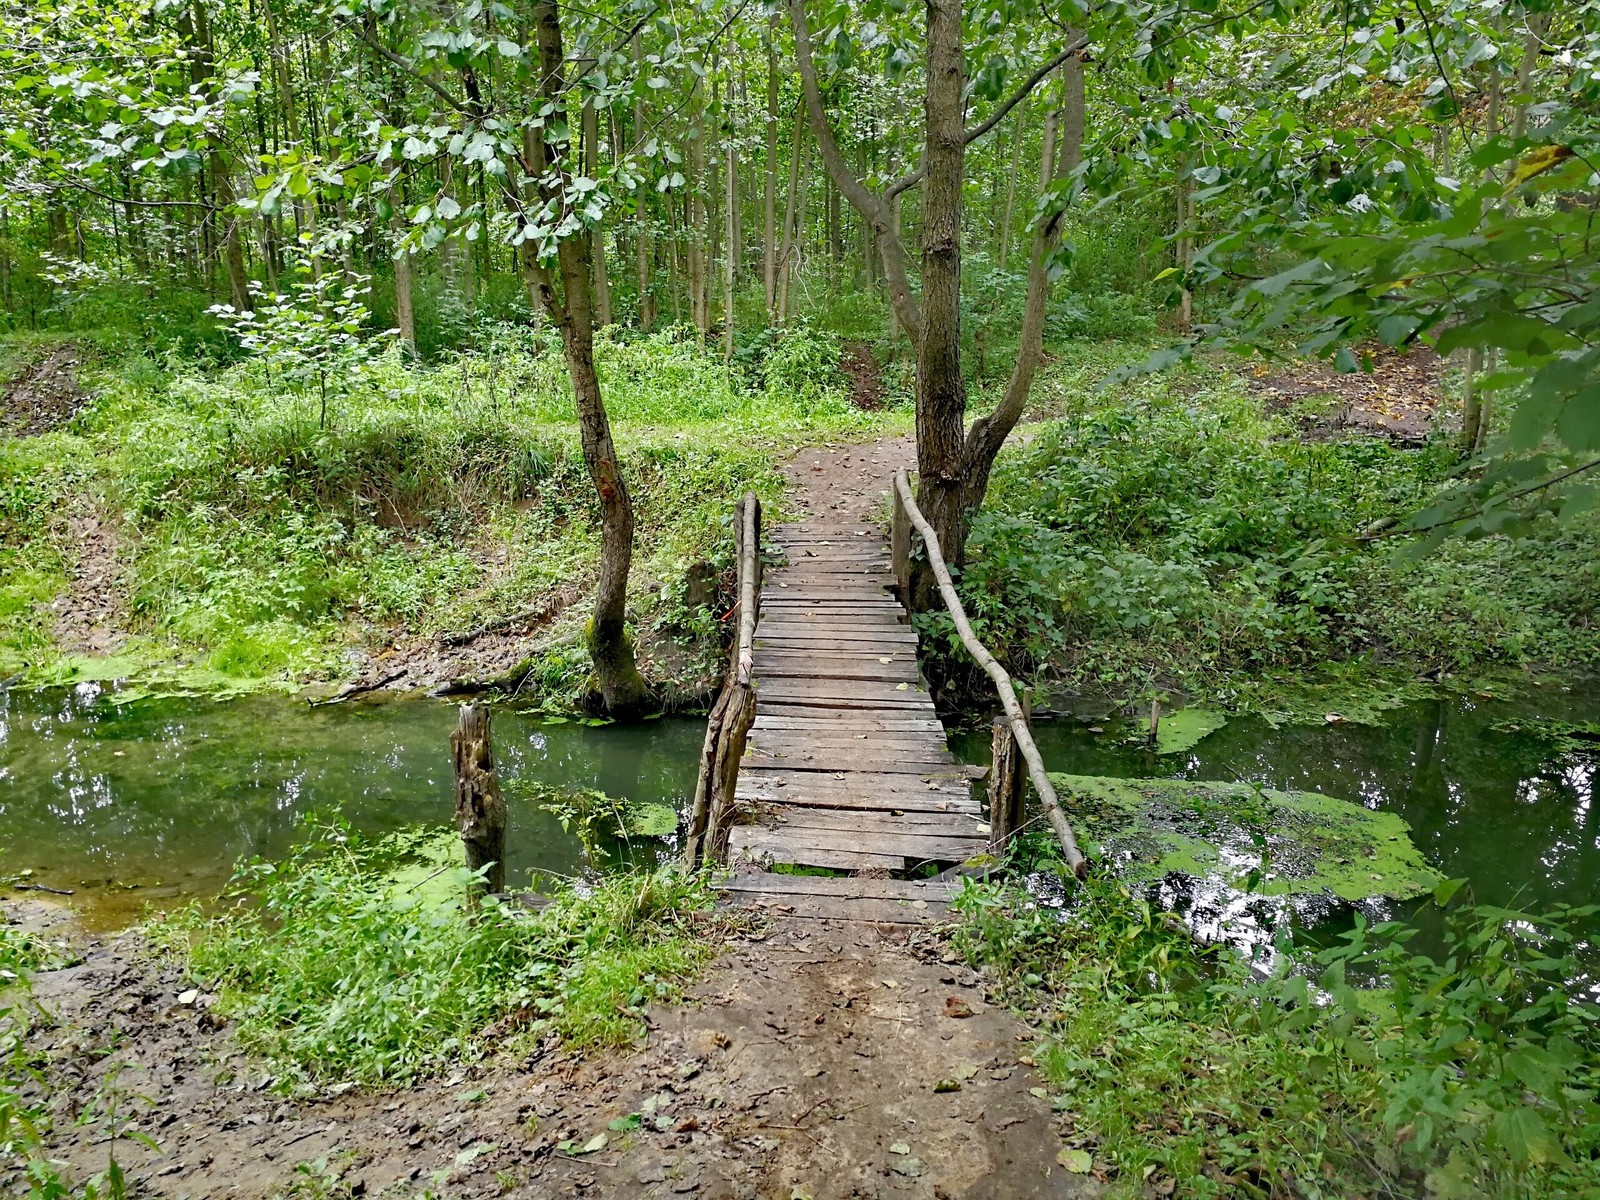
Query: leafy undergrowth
{"type": "Point", "coordinates": [1169, 534]}
{"type": "Point", "coordinates": [1472, 1073]}
{"type": "Point", "coordinates": [340, 967]}
{"type": "Point", "coordinates": [265, 535]}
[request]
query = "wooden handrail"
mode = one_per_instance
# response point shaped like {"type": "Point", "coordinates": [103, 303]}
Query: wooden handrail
{"type": "Point", "coordinates": [728, 726]}
{"type": "Point", "coordinates": [906, 505]}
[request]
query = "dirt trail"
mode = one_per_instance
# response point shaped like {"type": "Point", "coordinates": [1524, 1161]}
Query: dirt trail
{"type": "Point", "coordinates": [45, 395]}
{"type": "Point", "coordinates": [815, 1059]}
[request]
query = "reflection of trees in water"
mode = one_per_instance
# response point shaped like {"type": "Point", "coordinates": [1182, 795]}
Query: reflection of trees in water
{"type": "Point", "coordinates": [1493, 807]}
{"type": "Point", "coordinates": [163, 788]}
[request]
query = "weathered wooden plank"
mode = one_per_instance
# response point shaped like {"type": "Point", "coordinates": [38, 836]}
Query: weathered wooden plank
{"type": "Point", "coordinates": [820, 667]}
{"type": "Point", "coordinates": [824, 908]}
{"type": "Point", "coordinates": [787, 845]}
{"type": "Point", "coordinates": [874, 743]}
{"type": "Point", "coordinates": [743, 844]}
{"type": "Point", "coordinates": [828, 788]}
{"type": "Point", "coordinates": [830, 760]}
{"type": "Point", "coordinates": [882, 820]}
{"type": "Point", "coordinates": [837, 698]}
{"type": "Point", "coordinates": [834, 727]}
{"type": "Point", "coordinates": [837, 886]}
{"type": "Point", "coordinates": [894, 639]}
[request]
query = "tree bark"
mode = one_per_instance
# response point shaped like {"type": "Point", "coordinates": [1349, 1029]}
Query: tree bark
{"type": "Point", "coordinates": [730, 274]}
{"type": "Point", "coordinates": [480, 808]}
{"type": "Point", "coordinates": [769, 247]}
{"type": "Point", "coordinates": [621, 689]}
{"type": "Point", "coordinates": [796, 165]}
{"type": "Point", "coordinates": [591, 165]}
{"type": "Point", "coordinates": [641, 218]}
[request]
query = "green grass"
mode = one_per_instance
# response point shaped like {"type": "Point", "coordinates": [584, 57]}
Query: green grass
{"type": "Point", "coordinates": [346, 964]}
{"type": "Point", "coordinates": [1473, 1074]}
{"type": "Point", "coordinates": [261, 545]}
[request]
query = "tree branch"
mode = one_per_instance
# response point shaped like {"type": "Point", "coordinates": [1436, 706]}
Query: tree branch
{"type": "Point", "coordinates": [911, 179]}
{"type": "Point", "coordinates": [406, 67]}
{"type": "Point", "coordinates": [876, 210]}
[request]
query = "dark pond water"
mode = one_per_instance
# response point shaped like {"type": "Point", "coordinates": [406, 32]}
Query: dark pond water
{"type": "Point", "coordinates": [1500, 809]}
{"type": "Point", "coordinates": [166, 795]}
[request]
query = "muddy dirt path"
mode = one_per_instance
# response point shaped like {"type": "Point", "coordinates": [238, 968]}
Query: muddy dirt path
{"type": "Point", "coordinates": [828, 1060]}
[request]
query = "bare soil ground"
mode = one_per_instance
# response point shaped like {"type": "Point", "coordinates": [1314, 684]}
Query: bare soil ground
{"type": "Point", "coordinates": [1399, 398]}
{"type": "Point", "coordinates": [89, 614]}
{"type": "Point", "coordinates": [45, 395]}
{"type": "Point", "coordinates": [820, 1060]}
{"type": "Point", "coordinates": [851, 482]}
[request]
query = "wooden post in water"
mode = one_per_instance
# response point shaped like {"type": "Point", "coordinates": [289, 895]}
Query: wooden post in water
{"type": "Point", "coordinates": [1007, 781]}
{"type": "Point", "coordinates": [480, 808]}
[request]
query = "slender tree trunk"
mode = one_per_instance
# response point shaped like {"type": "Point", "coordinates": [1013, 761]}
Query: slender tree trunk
{"type": "Point", "coordinates": [1018, 136]}
{"type": "Point", "coordinates": [1475, 406]}
{"type": "Point", "coordinates": [730, 275]}
{"type": "Point", "coordinates": [786, 257]}
{"type": "Point", "coordinates": [641, 219]}
{"type": "Point", "coordinates": [405, 318]}
{"type": "Point", "coordinates": [699, 306]}
{"type": "Point", "coordinates": [591, 163]}
{"type": "Point", "coordinates": [622, 690]}
{"type": "Point", "coordinates": [769, 244]}
{"type": "Point", "coordinates": [1185, 246]}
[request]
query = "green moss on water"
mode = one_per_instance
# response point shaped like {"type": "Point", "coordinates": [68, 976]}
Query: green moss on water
{"type": "Point", "coordinates": [1258, 839]}
{"type": "Point", "coordinates": [1182, 730]}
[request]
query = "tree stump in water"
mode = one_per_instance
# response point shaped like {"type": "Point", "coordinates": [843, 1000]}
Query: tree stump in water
{"type": "Point", "coordinates": [480, 808]}
{"type": "Point", "coordinates": [1006, 779]}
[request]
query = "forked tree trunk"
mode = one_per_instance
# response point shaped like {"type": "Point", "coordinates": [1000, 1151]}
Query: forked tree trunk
{"type": "Point", "coordinates": [480, 808]}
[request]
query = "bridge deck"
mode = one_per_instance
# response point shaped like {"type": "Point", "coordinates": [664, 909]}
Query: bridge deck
{"type": "Point", "coordinates": [847, 765]}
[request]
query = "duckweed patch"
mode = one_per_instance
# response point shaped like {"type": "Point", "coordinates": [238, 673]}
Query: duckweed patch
{"type": "Point", "coordinates": [1258, 839]}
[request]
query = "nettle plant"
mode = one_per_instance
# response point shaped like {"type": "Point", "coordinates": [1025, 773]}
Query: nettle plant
{"type": "Point", "coordinates": [315, 334]}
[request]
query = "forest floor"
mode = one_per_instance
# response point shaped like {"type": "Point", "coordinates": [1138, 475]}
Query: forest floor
{"type": "Point", "coordinates": [820, 1060]}
{"type": "Point", "coordinates": [44, 394]}
{"type": "Point", "coordinates": [1399, 398]}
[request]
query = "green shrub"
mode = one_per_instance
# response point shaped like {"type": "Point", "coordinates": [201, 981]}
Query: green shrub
{"type": "Point", "coordinates": [1472, 1073]}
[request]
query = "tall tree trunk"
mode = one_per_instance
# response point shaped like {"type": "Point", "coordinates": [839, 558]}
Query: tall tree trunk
{"type": "Point", "coordinates": [591, 165]}
{"type": "Point", "coordinates": [699, 304]}
{"type": "Point", "coordinates": [1185, 244]}
{"type": "Point", "coordinates": [786, 257]}
{"type": "Point", "coordinates": [941, 393]}
{"type": "Point", "coordinates": [730, 275]}
{"type": "Point", "coordinates": [405, 317]}
{"type": "Point", "coordinates": [1474, 409]}
{"type": "Point", "coordinates": [641, 220]}
{"type": "Point", "coordinates": [769, 242]}
{"type": "Point", "coordinates": [1018, 135]}
{"type": "Point", "coordinates": [203, 74]}
{"type": "Point", "coordinates": [622, 690]}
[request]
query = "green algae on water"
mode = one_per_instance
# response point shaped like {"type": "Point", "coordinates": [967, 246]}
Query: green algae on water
{"type": "Point", "coordinates": [1183, 728]}
{"type": "Point", "coordinates": [1255, 839]}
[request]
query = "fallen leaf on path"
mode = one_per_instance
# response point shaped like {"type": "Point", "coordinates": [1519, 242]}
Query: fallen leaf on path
{"type": "Point", "coordinates": [1040, 1093]}
{"type": "Point", "coordinates": [955, 1006]}
{"type": "Point", "coordinates": [947, 1085]}
{"type": "Point", "coordinates": [899, 1148]}
{"type": "Point", "coordinates": [1079, 1162]}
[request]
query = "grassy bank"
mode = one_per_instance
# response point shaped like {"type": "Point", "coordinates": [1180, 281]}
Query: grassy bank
{"type": "Point", "coordinates": [1170, 535]}
{"type": "Point", "coordinates": [259, 537]}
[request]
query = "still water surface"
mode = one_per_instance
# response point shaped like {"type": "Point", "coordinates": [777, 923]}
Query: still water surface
{"type": "Point", "coordinates": [167, 794]}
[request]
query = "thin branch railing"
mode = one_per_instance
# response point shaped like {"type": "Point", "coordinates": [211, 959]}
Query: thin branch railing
{"type": "Point", "coordinates": [728, 726]}
{"type": "Point", "coordinates": [908, 516]}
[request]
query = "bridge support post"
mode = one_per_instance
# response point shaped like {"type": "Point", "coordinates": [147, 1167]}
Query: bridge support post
{"type": "Point", "coordinates": [900, 549]}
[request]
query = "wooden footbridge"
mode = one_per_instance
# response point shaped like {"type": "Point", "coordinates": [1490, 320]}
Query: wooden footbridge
{"type": "Point", "coordinates": [825, 750]}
